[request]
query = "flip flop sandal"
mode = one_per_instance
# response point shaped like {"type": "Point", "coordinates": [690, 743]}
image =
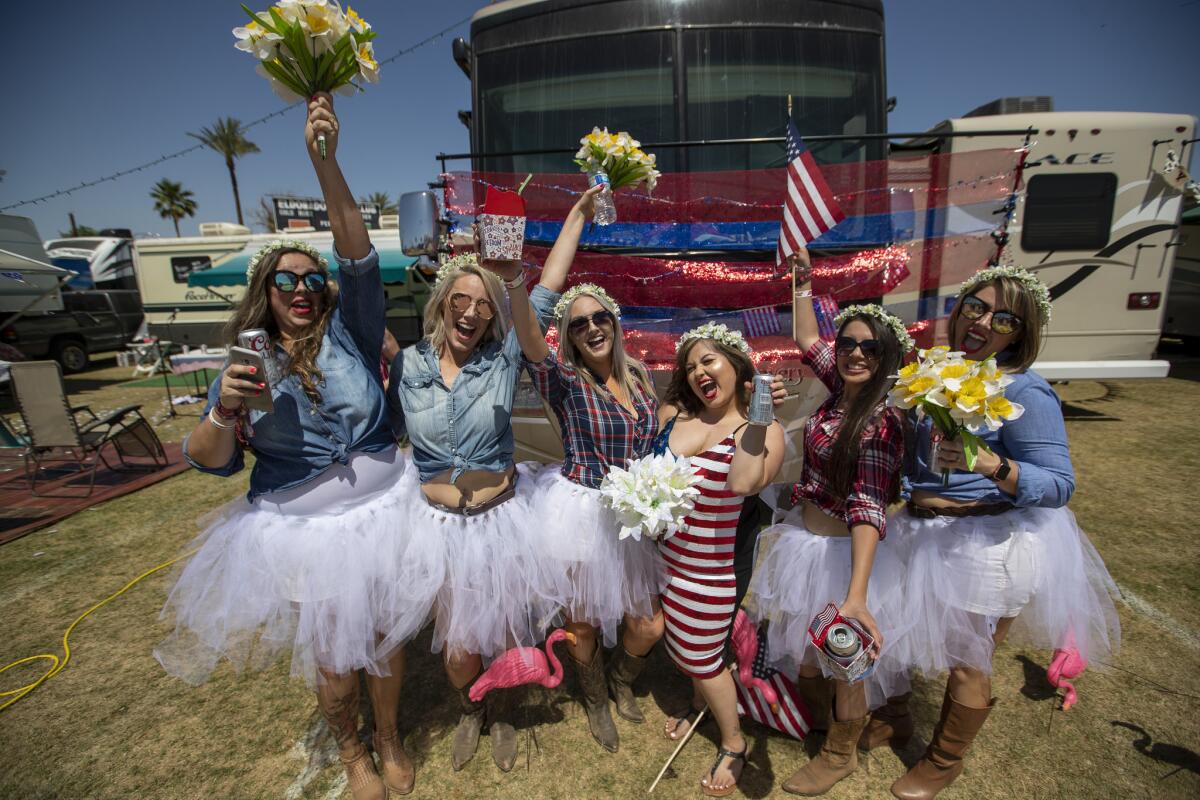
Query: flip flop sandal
{"type": "Point", "coordinates": [737, 776]}
{"type": "Point", "coordinates": [689, 717]}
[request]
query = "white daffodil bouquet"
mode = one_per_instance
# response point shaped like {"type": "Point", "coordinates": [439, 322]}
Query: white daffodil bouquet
{"type": "Point", "coordinates": [964, 397]}
{"type": "Point", "coordinates": [652, 496]}
{"type": "Point", "coordinates": [620, 157]}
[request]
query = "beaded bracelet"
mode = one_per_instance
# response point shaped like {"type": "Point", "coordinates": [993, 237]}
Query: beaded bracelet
{"type": "Point", "coordinates": [803, 293]}
{"type": "Point", "coordinates": [224, 412]}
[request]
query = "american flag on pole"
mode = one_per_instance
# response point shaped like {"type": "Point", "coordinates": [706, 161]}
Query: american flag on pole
{"type": "Point", "coordinates": [761, 321]}
{"type": "Point", "coordinates": [808, 206]}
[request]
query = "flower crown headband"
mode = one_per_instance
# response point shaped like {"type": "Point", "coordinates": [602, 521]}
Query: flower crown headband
{"type": "Point", "coordinates": [283, 244]}
{"type": "Point", "coordinates": [570, 295]}
{"type": "Point", "coordinates": [894, 324]}
{"type": "Point", "coordinates": [718, 332]}
{"type": "Point", "coordinates": [1032, 283]}
{"type": "Point", "coordinates": [455, 263]}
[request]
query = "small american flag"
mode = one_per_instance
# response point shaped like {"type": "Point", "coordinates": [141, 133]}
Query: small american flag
{"type": "Point", "coordinates": [822, 621]}
{"type": "Point", "coordinates": [808, 207]}
{"type": "Point", "coordinates": [791, 717]}
{"type": "Point", "coordinates": [761, 321]}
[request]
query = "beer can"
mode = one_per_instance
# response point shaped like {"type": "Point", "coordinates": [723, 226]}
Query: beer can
{"type": "Point", "coordinates": [842, 641]}
{"type": "Point", "coordinates": [259, 341]}
{"type": "Point", "coordinates": [762, 409]}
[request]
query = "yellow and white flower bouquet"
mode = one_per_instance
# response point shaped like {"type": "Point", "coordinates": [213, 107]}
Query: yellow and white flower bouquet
{"type": "Point", "coordinates": [618, 156]}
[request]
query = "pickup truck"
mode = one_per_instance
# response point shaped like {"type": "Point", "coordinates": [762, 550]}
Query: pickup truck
{"type": "Point", "coordinates": [90, 322]}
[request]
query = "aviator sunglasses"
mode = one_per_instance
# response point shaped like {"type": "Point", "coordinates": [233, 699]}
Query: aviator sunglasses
{"type": "Point", "coordinates": [462, 302]}
{"type": "Point", "coordinates": [845, 345]}
{"type": "Point", "coordinates": [1003, 322]}
{"type": "Point", "coordinates": [601, 319]}
{"type": "Point", "coordinates": [285, 281]}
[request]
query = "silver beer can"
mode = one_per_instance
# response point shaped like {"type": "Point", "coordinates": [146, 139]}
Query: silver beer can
{"type": "Point", "coordinates": [259, 341]}
{"type": "Point", "coordinates": [762, 409]}
{"type": "Point", "coordinates": [842, 641]}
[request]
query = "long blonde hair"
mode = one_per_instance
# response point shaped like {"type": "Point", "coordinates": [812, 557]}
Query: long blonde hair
{"type": "Point", "coordinates": [254, 311]}
{"type": "Point", "coordinates": [435, 308]}
{"type": "Point", "coordinates": [630, 373]}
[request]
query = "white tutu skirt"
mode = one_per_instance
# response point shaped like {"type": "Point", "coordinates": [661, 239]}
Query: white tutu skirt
{"type": "Point", "coordinates": [486, 580]}
{"type": "Point", "coordinates": [1035, 564]}
{"type": "Point", "coordinates": [300, 571]}
{"type": "Point", "coordinates": [609, 577]}
{"type": "Point", "coordinates": [800, 573]}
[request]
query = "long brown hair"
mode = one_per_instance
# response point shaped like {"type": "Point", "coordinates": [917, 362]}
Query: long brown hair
{"type": "Point", "coordinates": [628, 372]}
{"type": "Point", "coordinates": [255, 312]}
{"type": "Point", "coordinates": [1020, 301]}
{"type": "Point", "coordinates": [679, 391]}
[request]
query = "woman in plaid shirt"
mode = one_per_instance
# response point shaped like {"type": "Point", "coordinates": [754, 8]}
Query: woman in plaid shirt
{"type": "Point", "coordinates": [831, 544]}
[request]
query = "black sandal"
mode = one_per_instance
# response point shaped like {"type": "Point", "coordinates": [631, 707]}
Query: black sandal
{"type": "Point", "coordinates": [734, 759]}
{"type": "Point", "coordinates": [689, 717]}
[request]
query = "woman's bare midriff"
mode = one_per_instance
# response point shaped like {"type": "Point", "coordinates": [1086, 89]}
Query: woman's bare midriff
{"type": "Point", "coordinates": [474, 487]}
{"type": "Point", "coordinates": [925, 499]}
{"type": "Point", "coordinates": [820, 523]}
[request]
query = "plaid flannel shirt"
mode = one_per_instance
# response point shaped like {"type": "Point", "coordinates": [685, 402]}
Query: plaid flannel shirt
{"type": "Point", "coordinates": [880, 454]}
{"type": "Point", "coordinates": [597, 432]}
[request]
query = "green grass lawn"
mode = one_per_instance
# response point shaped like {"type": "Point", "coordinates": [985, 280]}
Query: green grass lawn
{"type": "Point", "coordinates": [113, 725]}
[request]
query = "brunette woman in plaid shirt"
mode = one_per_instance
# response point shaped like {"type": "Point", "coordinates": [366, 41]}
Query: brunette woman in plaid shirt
{"type": "Point", "coordinates": [831, 545]}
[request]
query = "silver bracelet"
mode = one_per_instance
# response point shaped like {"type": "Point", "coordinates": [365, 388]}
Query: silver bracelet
{"type": "Point", "coordinates": [216, 422]}
{"type": "Point", "coordinates": [802, 293]}
{"type": "Point", "coordinates": [515, 282]}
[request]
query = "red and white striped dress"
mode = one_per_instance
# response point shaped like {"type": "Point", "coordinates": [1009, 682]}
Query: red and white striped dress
{"type": "Point", "coordinates": [699, 601]}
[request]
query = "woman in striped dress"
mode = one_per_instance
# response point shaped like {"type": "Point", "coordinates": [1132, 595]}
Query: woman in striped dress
{"type": "Point", "coordinates": [704, 417]}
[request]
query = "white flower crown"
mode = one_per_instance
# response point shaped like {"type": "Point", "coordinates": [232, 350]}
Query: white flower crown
{"type": "Point", "coordinates": [718, 332]}
{"type": "Point", "coordinates": [455, 263]}
{"type": "Point", "coordinates": [894, 323]}
{"type": "Point", "coordinates": [570, 295]}
{"type": "Point", "coordinates": [283, 244]}
{"type": "Point", "coordinates": [1039, 290]}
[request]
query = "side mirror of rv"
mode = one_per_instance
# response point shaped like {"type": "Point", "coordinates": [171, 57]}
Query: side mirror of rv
{"type": "Point", "coordinates": [419, 223]}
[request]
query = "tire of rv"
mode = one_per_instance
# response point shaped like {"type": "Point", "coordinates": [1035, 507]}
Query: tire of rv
{"type": "Point", "coordinates": [71, 354]}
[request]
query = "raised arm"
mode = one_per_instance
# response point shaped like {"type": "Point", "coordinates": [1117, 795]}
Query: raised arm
{"type": "Point", "coordinates": [804, 319]}
{"type": "Point", "coordinates": [349, 230]}
{"type": "Point", "coordinates": [562, 255]}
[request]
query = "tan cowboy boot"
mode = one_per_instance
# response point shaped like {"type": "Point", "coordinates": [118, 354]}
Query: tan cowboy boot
{"type": "Point", "coordinates": [396, 767]}
{"type": "Point", "coordinates": [817, 694]}
{"type": "Point", "coordinates": [500, 704]}
{"type": "Point", "coordinates": [891, 723]}
{"type": "Point", "coordinates": [595, 701]}
{"type": "Point", "coordinates": [837, 759]}
{"type": "Point", "coordinates": [943, 759]}
{"type": "Point", "coordinates": [337, 700]}
{"type": "Point", "coordinates": [623, 670]}
{"type": "Point", "coordinates": [466, 733]}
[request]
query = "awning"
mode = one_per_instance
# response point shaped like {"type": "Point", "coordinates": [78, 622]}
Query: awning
{"type": "Point", "coordinates": [232, 271]}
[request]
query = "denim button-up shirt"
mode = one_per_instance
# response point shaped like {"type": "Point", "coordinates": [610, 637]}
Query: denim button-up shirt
{"type": "Point", "coordinates": [1036, 441]}
{"type": "Point", "coordinates": [300, 439]}
{"type": "Point", "coordinates": [467, 426]}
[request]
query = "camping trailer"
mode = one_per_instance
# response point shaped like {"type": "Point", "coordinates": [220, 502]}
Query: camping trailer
{"type": "Point", "coordinates": [29, 283]}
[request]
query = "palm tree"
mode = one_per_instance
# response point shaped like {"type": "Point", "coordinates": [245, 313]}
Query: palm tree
{"type": "Point", "coordinates": [173, 202]}
{"type": "Point", "coordinates": [381, 199]}
{"type": "Point", "coordinates": [228, 137]}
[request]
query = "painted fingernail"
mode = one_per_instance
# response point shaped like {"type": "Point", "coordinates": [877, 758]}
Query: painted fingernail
{"type": "Point", "coordinates": [262, 385]}
{"type": "Point", "coordinates": [254, 370]}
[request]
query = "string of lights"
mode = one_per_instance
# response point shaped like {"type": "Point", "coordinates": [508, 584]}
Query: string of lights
{"type": "Point", "coordinates": [180, 153]}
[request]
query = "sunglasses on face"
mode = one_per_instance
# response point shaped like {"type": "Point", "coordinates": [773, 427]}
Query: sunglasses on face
{"type": "Point", "coordinates": [601, 319]}
{"type": "Point", "coordinates": [286, 281]}
{"type": "Point", "coordinates": [845, 345]}
{"type": "Point", "coordinates": [461, 303]}
{"type": "Point", "coordinates": [1003, 322]}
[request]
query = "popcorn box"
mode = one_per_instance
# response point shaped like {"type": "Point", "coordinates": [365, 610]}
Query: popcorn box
{"type": "Point", "coordinates": [502, 225]}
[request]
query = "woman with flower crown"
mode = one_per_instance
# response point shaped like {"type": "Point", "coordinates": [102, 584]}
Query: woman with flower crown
{"type": "Point", "coordinates": [704, 418]}
{"type": "Point", "coordinates": [994, 551]}
{"type": "Point", "coordinates": [832, 544]}
{"type": "Point", "coordinates": [303, 562]}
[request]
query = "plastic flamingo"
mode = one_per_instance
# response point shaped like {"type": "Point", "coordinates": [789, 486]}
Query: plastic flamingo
{"type": "Point", "coordinates": [745, 648]}
{"type": "Point", "coordinates": [1067, 663]}
{"type": "Point", "coordinates": [522, 665]}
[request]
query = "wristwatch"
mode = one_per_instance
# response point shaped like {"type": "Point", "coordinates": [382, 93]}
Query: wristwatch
{"type": "Point", "coordinates": [1001, 472]}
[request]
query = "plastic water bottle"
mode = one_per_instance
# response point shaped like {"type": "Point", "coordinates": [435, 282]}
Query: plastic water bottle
{"type": "Point", "coordinates": [606, 211]}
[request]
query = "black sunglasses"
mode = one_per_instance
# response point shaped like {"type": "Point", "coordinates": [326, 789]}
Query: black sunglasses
{"type": "Point", "coordinates": [461, 302]}
{"type": "Point", "coordinates": [601, 319]}
{"type": "Point", "coordinates": [285, 281]}
{"type": "Point", "coordinates": [845, 345]}
{"type": "Point", "coordinates": [1002, 322]}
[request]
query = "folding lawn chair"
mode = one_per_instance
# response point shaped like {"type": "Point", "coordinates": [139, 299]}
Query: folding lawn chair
{"type": "Point", "coordinates": [55, 433]}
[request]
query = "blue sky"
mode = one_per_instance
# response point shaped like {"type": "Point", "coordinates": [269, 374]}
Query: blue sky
{"type": "Point", "coordinates": [106, 86]}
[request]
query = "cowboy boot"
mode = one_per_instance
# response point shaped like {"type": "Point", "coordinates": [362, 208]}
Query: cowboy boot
{"type": "Point", "coordinates": [817, 694]}
{"type": "Point", "coordinates": [466, 734]}
{"type": "Point", "coordinates": [943, 759]}
{"type": "Point", "coordinates": [595, 701]}
{"type": "Point", "coordinates": [500, 703]}
{"type": "Point", "coordinates": [339, 706]}
{"type": "Point", "coordinates": [891, 723]}
{"type": "Point", "coordinates": [623, 670]}
{"type": "Point", "coordinates": [837, 759]}
{"type": "Point", "coordinates": [396, 767]}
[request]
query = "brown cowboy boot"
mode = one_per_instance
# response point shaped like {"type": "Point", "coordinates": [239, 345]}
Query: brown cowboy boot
{"type": "Point", "coordinates": [466, 734]}
{"type": "Point", "coordinates": [623, 670]}
{"type": "Point", "coordinates": [339, 706]}
{"type": "Point", "coordinates": [837, 759]}
{"type": "Point", "coordinates": [817, 694]}
{"type": "Point", "coordinates": [943, 759]}
{"type": "Point", "coordinates": [595, 701]}
{"type": "Point", "coordinates": [891, 723]}
{"type": "Point", "coordinates": [500, 704]}
{"type": "Point", "coordinates": [396, 767]}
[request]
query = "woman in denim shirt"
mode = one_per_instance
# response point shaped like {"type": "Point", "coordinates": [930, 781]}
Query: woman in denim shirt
{"type": "Point", "coordinates": [993, 550]}
{"type": "Point", "coordinates": [305, 562]}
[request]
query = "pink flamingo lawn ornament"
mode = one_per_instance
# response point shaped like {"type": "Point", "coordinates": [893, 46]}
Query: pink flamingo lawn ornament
{"type": "Point", "coordinates": [522, 665]}
{"type": "Point", "coordinates": [745, 648]}
{"type": "Point", "coordinates": [1066, 664]}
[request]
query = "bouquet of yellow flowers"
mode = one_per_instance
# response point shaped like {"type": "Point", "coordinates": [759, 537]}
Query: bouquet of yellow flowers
{"type": "Point", "coordinates": [309, 46]}
{"type": "Point", "coordinates": [963, 397]}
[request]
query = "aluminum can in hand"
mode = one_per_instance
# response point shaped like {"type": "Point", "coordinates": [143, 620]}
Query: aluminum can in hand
{"type": "Point", "coordinates": [842, 642]}
{"type": "Point", "coordinates": [259, 341]}
{"type": "Point", "coordinates": [762, 408]}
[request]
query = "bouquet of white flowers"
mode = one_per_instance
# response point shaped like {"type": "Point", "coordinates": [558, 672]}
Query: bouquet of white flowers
{"type": "Point", "coordinates": [619, 156]}
{"type": "Point", "coordinates": [964, 397]}
{"type": "Point", "coordinates": [652, 496]}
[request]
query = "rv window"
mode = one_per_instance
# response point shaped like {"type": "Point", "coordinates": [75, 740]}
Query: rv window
{"type": "Point", "coordinates": [182, 266]}
{"type": "Point", "coordinates": [1068, 212]}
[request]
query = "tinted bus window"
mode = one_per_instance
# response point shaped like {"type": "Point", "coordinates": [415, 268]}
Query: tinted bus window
{"type": "Point", "coordinates": [1068, 212]}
